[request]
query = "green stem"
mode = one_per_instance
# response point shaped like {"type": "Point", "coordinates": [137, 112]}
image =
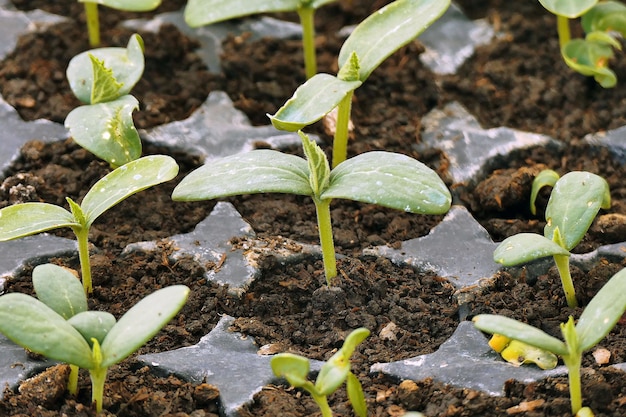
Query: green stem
{"type": "Point", "coordinates": [573, 363]}
{"type": "Point", "coordinates": [93, 24]}
{"type": "Point", "coordinates": [562, 264]}
{"type": "Point", "coordinates": [82, 235]}
{"type": "Point", "coordinates": [98, 378]}
{"type": "Point", "coordinates": [72, 380]}
{"type": "Point", "coordinates": [563, 29]}
{"type": "Point", "coordinates": [307, 15]}
{"type": "Point", "coordinates": [324, 224]}
{"type": "Point", "coordinates": [340, 141]}
{"type": "Point", "coordinates": [322, 403]}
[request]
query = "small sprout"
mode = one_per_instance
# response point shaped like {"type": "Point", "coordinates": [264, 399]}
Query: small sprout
{"type": "Point", "coordinates": [573, 205]}
{"type": "Point", "coordinates": [388, 179]}
{"type": "Point", "coordinates": [519, 353]}
{"type": "Point", "coordinates": [206, 12]}
{"type": "Point", "coordinates": [103, 78]}
{"type": "Point", "coordinates": [332, 375]}
{"type": "Point", "coordinates": [371, 42]}
{"type": "Point", "coordinates": [27, 219]}
{"type": "Point", "coordinates": [596, 321]}
{"type": "Point", "coordinates": [59, 326]}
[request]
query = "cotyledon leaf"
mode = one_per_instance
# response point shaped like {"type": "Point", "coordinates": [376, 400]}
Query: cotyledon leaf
{"type": "Point", "coordinates": [26, 219]}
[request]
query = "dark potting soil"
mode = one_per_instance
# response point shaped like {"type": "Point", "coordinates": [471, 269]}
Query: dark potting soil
{"type": "Point", "coordinates": [518, 81]}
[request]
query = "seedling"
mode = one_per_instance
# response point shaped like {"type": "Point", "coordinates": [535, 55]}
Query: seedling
{"type": "Point", "coordinates": [371, 42]}
{"type": "Point", "coordinates": [26, 219]}
{"type": "Point", "coordinates": [596, 321]}
{"type": "Point", "coordinates": [59, 326]}
{"type": "Point", "coordinates": [603, 22]}
{"type": "Point", "coordinates": [574, 202]}
{"type": "Point", "coordinates": [205, 12]}
{"type": "Point", "coordinates": [102, 78]}
{"type": "Point", "coordinates": [334, 372]}
{"type": "Point", "coordinates": [384, 178]}
{"type": "Point", "coordinates": [93, 21]}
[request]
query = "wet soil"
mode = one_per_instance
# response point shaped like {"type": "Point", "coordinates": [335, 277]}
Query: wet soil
{"type": "Point", "coordinates": [517, 81]}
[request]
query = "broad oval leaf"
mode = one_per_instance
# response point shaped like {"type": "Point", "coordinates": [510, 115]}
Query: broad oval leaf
{"type": "Point", "coordinates": [205, 12]}
{"type": "Point", "coordinates": [513, 329]}
{"type": "Point", "coordinates": [602, 312]}
{"type": "Point", "coordinates": [125, 181]}
{"type": "Point", "coordinates": [93, 324]}
{"type": "Point", "coordinates": [127, 5]}
{"type": "Point", "coordinates": [568, 8]}
{"type": "Point", "coordinates": [605, 16]}
{"type": "Point", "coordinates": [293, 368]}
{"type": "Point", "coordinates": [526, 247]}
{"type": "Point", "coordinates": [107, 130]}
{"type": "Point", "coordinates": [391, 180]}
{"type": "Point", "coordinates": [259, 171]}
{"type": "Point", "coordinates": [312, 101]}
{"type": "Point", "coordinates": [35, 326]}
{"type": "Point", "coordinates": [127, 65]}
{"type": "Point", "coordinates": [142, 322]}
{"type": "Point", "coordinates": [59, 289]}
{"type": "Point", "coordinates": [590, 58]}
{"type": "Point", "coordinates": [26, 219]}
{"type": "Point", "coordinates": [387, 30]}
{"type": "Point", "coordinates": [575, 201]}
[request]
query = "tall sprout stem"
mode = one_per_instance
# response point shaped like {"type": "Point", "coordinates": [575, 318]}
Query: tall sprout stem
{"type": "Point", "coordinates": [72, 381]}
{"type": "Point", "coordinates": [562, 264]}
{"type": "Point", "coordinates": [322, 208]}
{"type": "Point", "coordinates": [307, 22]}
{"type": "Point", "coordinates": [322, 403]}
{"type": "Point", "coordinates": [93, 23]}
{"type": "Point", "coordinates": [340, 141]}
{"type": "Point", "coordinates": [573, 377]}
{"type": "Point", "coordinates": [82, 236]}
{"type": "Point", "coordinates": [563, 30]}
{"type": "Point", "coordinates": [98, 378]}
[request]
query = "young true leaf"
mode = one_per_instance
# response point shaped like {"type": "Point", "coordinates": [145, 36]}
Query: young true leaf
{"type": "Point", "coordinates": [104, 87]}
{"type": "Point", "coordinates": [92, 324]}
{"type": "Point", "coordinates": [59, 289]}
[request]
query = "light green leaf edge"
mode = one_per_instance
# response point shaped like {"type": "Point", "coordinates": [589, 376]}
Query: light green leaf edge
{"type": "Point", "coordinates": [26, 219]}
{"type": "Point", "coordinates": [312, 101]}
{"type": "Point", "coordinates": [387, 30]}
{"type": "Point", "coordinates": [107, 130]}
{"type": "Point", "coordinates": [602, 312]}
{"type": "Point", "coordinates": [605, 16]}
{"type": "Point", "coordinates": [526, 247]}
{"type": "Point", "coordinates": [390, 180]}
{"type": "Point", "coordinates": [59, 289]}
{"type": "Point", "coordinates": [205, 12]}
{"type": "Point", "coordinates": [294, 368]}
{"type": "Point", "coordinates": [568, 8]}
{"type": "Point", "coordinates": [127, 5]}
{"type": "Point", "coordinates": [574, 203]}
{"type": "Point", "coordinates": [35, 326]}
{"type": "Point", "coordinates": [125, 181]}
{"type": "Point", "coordinates": [141, 322]}
{"type": "Point", "coordinates": [258, 171]}
{"type": "Point", "coordinates": [581, 55]}
{"type": "Point", "coordinates": [546, 178]}
{"type": "Point", "coordinates": [513, 329]}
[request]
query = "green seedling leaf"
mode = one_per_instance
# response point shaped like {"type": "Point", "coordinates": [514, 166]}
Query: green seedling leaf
{"type": "Point", "coordinates": [27, 219]}
{"type": "Point", "coordinates": [142, 322]}
{"type": "Point", "coordinates": [546, 178]}
{"type": "Point", "coordinates": [93, 324]}
{"type": "Point", "coordinates": [293, 368]}
{"type": "Point", "coordinates": [390, 180]}
{"type": "Point", "coordinates": [105, 86]}
{"type": "Point", "coordinates": [125, 181]}
{"type": "Point", "coordinates": [312, 100]}
{"type": "Point", "coordinates": [126, 64]}
{"type": "Point", "coordinates": [575, 201]}
{"type": "Point", "coordinates": [526, 247]}
{"type": "Point", "coordinates": [387, 30]}
{"type": "Point", "coordinates": [590, 58]}
{"type": "Point", "coordinates": [516, 330]}
{"type": "Point", "coordinates": [350, 70]}
{"type": "Point", "coordinates": [319, 168]}
{"type": "Point", "coordinates": [35, 326]}
{"type": "Point", "coordinates": [602, 312]}
{"type": "Point", "coordinates": [59, 289]}
{"type": "Point", "coordinates": [605, 16]}
{"type": "Point", "coordinates": [356, 395]}
{"type": "Point", "coordinates": [259, 171]}
{"type": "Point", "coordinates": [128, 5]}
{"type": "Point", "coordinates": [107, 130]}
{"type": "Point", "coordinates": [568, 8]}
{"type": "Point", "coordinates": [355, 338]}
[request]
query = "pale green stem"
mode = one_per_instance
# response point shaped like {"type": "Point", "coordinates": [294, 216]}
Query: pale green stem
{"type": "Point", "coordinates": [72, 380]}
{"type": "Point", "coordinates": [82, 236]}
{"type": "Point", "coordinates": [573, 363]}
{"type": "Point", "coordinates": [98, 378]}
{"type": "Point", "coordinates": [563, 29]}
{"type": "Point", "coordinates": [324, 224]}
{"type": "Point", "coordinates": [322, 403]}
{"type": "Point", "coordinates": [340, 141]}
{"type": "Point", "coordinates": [307, 22]}
{"type": "Point", "coordinates": [562, 264]}
{"type": "Point", "coordinates": [93, 23]}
